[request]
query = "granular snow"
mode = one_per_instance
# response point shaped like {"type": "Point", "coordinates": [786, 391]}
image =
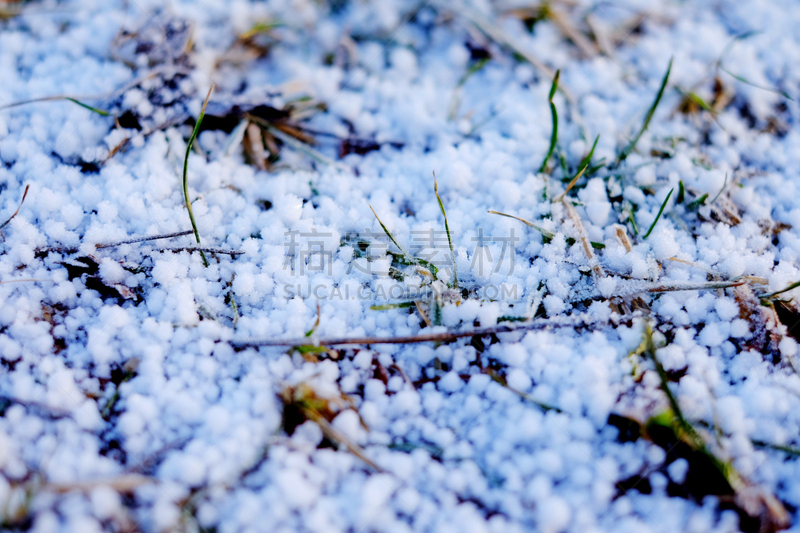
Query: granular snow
{"type": "Point", "coordinates": [124, 403]}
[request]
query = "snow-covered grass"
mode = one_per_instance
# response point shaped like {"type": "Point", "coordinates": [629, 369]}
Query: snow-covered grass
{"type": "Point", "coordinates": [616, 352]}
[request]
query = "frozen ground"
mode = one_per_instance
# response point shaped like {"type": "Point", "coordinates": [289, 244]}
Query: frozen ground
{"type": "Point", "coordinates": [647, 383]}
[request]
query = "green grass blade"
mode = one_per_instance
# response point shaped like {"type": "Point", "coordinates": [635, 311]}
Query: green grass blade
{"type": "Point", "coordinates": [447, 229]}
{"type": "Point", "coordinates": [405, 256]}
{"type": "Point", "coordinates": [698, 202]}
{"type": "Point", "coordinates": [186, 169]}
{"type": "Point", "coordinates": [474, 68]}
{"type": "Point", "coordinates": [724, 184]}
{"type": "Point", "coordinates": [697, 99]}
{"type": "Point", "coordinates": [628, 149]}
{"type": "Point", "coordinates": [658, 216]}
{"type": "Point", "coordinates": [681, 192]}
{"type": "Point", "coordinates": [787, 289]}
{"type": "Point", "coordinates": [554, 114]}
{"type": "Point", "coordinates": [757, 86]}
{"type": "Point", "coordinates": [632, 220]}
{"type": "Point", "coordinates": [386, 307]}
{"type": "Point", "coordinates": [90, 108]}
{"type": "Point", "coordinates": [388, 233]}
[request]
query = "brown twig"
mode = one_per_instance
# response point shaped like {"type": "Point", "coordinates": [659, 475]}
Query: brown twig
{"type": "Point", "coordinates": [232, 253]}
{"type": "Point", "coordinates": [100, 246]}
{"type": "Point", "coordinates": [24, 195]}
{"type": "Point", "coordinates": [444, 336]}
{"type": "Point", "coordinates": [125, 483]}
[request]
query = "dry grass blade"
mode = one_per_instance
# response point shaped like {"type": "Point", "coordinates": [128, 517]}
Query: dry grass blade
{"type": "Point", "coordinates": [634, 287]}
{"type": "Point", "coordinates": [24, 195]}
{"type": "Point", "coordinates": [568, 29]}
{"type": "Point", "coordinates": [186, 169]}
{"type": "Point", "coordinates": [601, 35]}
{"type": "Point", "coordinates": [24, 280]}
{"type": "Point", "coordinates": [499, 36]}
{"type": "Point", "coordinates": [504, 382]}
{"type": "Point", "coordinates": [254, 146]}
{"type": "Point", "coordinates": [597, 270]}
{"type": "Point", "coordinates": [334, 435]}
{"type": "Point", "coordinates": [125, 483]}
{"type": "Point", "coordinates": [622, 236]}
{"type": "Point", "coordinates": [581, 170]}
{"type": "Point", "coordinates": [544, 232]}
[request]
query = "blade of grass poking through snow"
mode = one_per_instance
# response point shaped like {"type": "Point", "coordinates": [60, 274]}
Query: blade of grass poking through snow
{"type": "Point", "coordinates": [730, 45]}
{"type": "Point", "coordinates": [546, 234]}
{"type": "Point", "coordinates": [405, 255]}
{"type": "Point", "coordinates": [447, 229]}
{"type": "Point", "coordinates": [661, 210]}
{"type": "Point", "coordinates": [681, 192]}
{"type": "Point", "coordinates": [632, 220]}
{"type": "Point", "coordinates": [554, 114]}
{"type": "Point", "coordinates": [391, 237]}
{"type": "Point", "coordinates": [724, 184]}
{"type": "Point", "coordinates": [628, 149]}
{"type": "Point", "coordinates": [186, 169]}
{"type": "Point", "coordinates": [90, 108]}
{"type": "Point", "coordinates": [757, 86]}
{"type": "Point", "coordinates": [581, 170]}
{"type": "Point", "coordinates": [698, 202]}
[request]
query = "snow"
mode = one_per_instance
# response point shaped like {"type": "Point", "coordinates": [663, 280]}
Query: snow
{"type": "Point", "coordinates": [127, 367]}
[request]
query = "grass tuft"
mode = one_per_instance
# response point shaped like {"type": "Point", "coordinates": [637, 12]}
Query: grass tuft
{"type": "Point", "coordinates": [186, 169]}
{"type": "Point", "coordinates": [628, 149]}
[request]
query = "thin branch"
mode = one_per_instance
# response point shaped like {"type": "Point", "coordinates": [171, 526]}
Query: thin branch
{"type": "Point", "coordinates": [100, 246]}
{"type": "Point", "coordinates": [444, 336]}
{"type": "Point", "coordinates": [143, 239]}
{"type": "Point", "coordinates": [629, 288]}
{"type": "Point", "coordinates": [125, 483]}
{"type": "Point", "coordinates": [202, 249]}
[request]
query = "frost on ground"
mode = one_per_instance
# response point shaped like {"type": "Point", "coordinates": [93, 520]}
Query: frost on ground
{"type": "Point", "coordinates": [617, 353]}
